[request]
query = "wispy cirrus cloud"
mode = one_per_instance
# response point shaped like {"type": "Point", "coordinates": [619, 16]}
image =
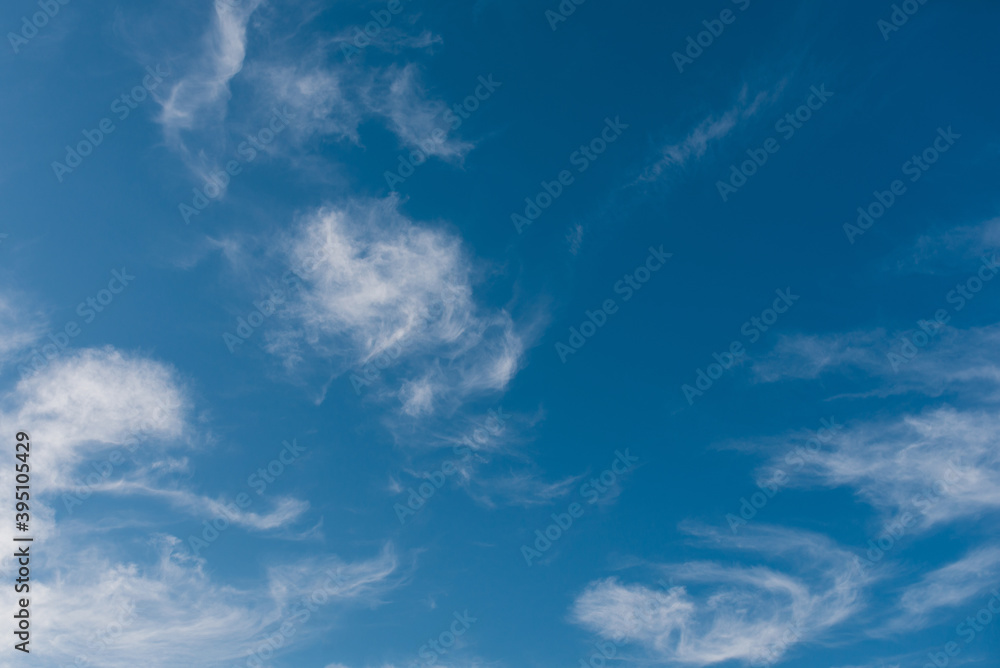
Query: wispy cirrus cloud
{"type": "Point", "coordinates": [949, 586]}
{"type": "Point", "coordinates": [201, 92]}
{"type": "Point", "coordinates": [945, 458]}
{"type": "Point", "coordinates": [808, 356]}
{"type": "Point", "coordinates": [709, 131]}
{"type": "Point", "coordinates": [961, 361]}
{"type": "Point", "coordinates": [722, 612]}
{"type": "Point", "coordinates": [399, 96]}
{"type": "Point", "coordinates": [119, 614]}
{"type": "Point", "coordinates": [18, 330]}
{"type": "Point", "coordinates": [948, 251]}
{"type": "Point", "coordinates": [324, 98]}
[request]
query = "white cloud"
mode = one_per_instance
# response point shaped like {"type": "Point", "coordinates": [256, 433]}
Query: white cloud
{"type": "Point", "coordinates": [949, 251]}
{"type": "Point", "coordinates": [524, 488]}
{"type": "Point", "coordinates": [400, 98]}
{"type": "Point", "coordinates": [952, 360]}
{"type": "Point", "coordinates": [114, 416]}
{"type": "Point", "coordinates": [376, 284]}
{"type": "Point", "coordinates": [948, 587]}
{"type": "Point", "coordinates": [723, 612]}
{"type": "Point", "coordinates": [18, 330]}
{"type": "Point", "coordinates": [120, 614]}
{"type": "Point", "coordinates": [707, 132]}
{"type": "Point", "coordinates": [89, 401]}
{"type": "Point", "coordinates": [126, 612]}
{"type": "Point", "coordinates": [204, 90]}
{"type": "Point", "coordinates": [285, 511]}
{"type": "Point", "coordinates": [320, 100]}
{"type": "Point", "coordinates": [798, 357]}
{"type": "Point", "coordinates": [940, 466]}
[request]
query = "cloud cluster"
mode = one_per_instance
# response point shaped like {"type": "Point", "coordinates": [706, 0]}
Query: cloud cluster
{"type": "Point", "coordinates": [375, 282]}
{"type": "Point", "coordinates": [324, 98]}
{"type": "Point", "coordinates": [114, 611]}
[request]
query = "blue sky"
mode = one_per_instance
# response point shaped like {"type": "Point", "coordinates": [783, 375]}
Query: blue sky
{"type": "Point", "coordinates": [504, 334]}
